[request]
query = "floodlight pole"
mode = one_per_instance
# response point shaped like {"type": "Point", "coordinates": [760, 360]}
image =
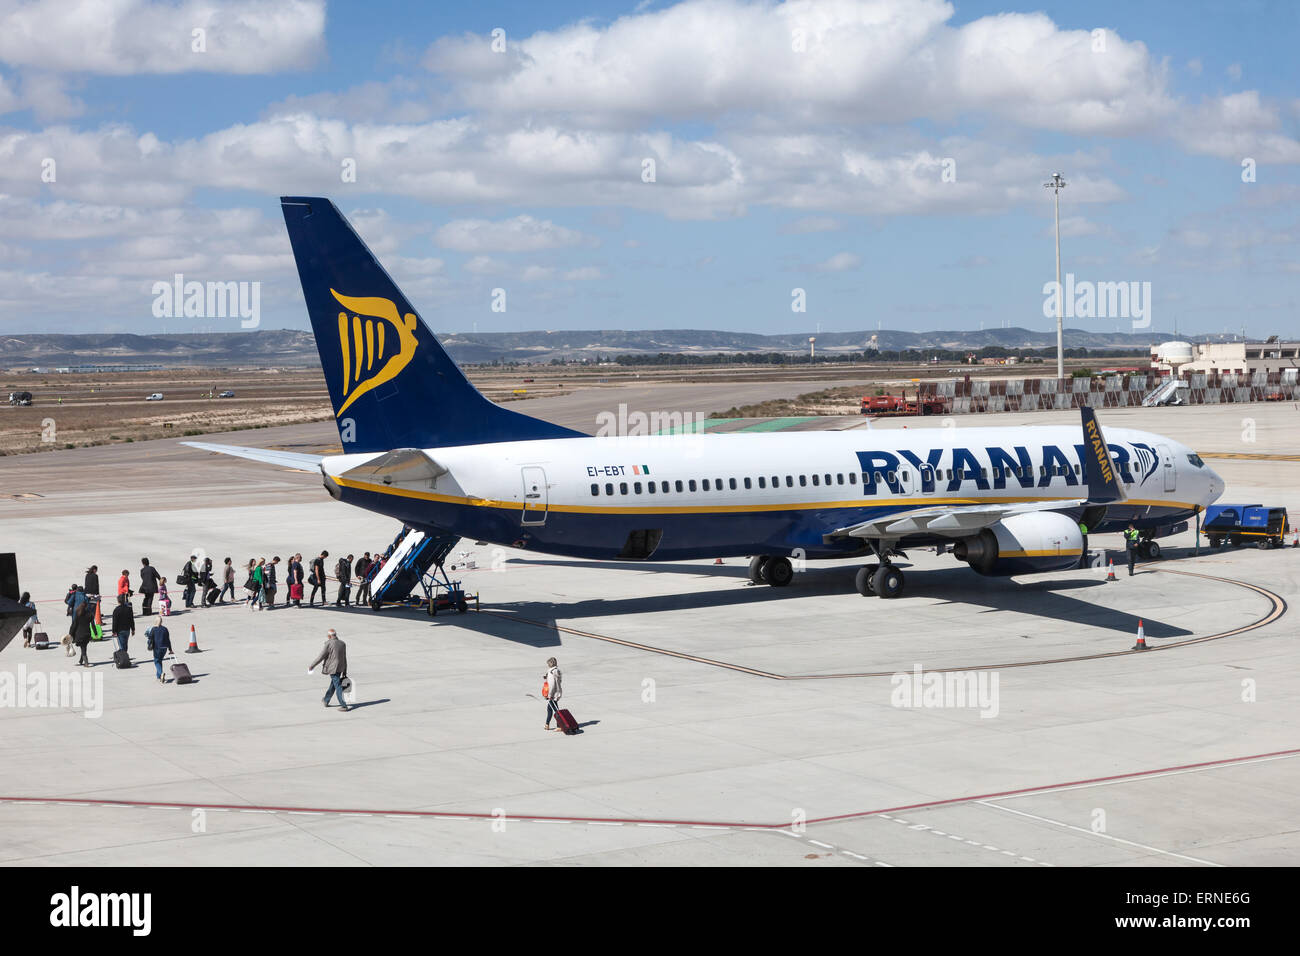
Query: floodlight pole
{"type": "Point", "coordinates": [1056, 185]}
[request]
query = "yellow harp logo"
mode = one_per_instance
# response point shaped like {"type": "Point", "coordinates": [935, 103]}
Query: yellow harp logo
{"type": "Point", "coordinates": [364, 339]}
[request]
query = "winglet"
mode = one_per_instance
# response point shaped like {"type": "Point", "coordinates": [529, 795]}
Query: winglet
{"type": "Point", "coordinates": [1103, 478]}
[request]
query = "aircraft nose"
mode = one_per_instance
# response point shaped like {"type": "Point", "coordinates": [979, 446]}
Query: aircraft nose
{"type": "Point", "coordinates": [1216, 487]}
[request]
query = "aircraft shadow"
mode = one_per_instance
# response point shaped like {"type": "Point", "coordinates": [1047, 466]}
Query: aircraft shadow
{"type": "Point", "coordinates": [1042, 599]}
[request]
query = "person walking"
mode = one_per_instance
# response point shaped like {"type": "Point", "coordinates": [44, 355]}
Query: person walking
{"type": "Point", "coordinates": [360, 573]}
{"type": "Point", "coordinates": [164, 599]}
{"type": "Point", "coordinates": [28, 628]}
{"type": "Point", "coordinates": [343, 570]}
{"type": "Point", "coordinates": [551, 690]}
{"type": "Point", "coordinates": [1083, 555]}
{"type": "Point", "coordinates": [259, 582]}
{"type": "Point", "coordinates": [92, 581]}
{"type": "Point", "coordinates": [80, 630]}
{"type": "Point", "coordinates": [1131, 546]}
{"type": "Point", "coordinates": [227, 583]}
{"type": "Point", "coordinates": [318, 580]}
{"type": "Point", "coordinates": [148, 586]}
{"type": "Point", "coordinates": [334, 656]}
{"type": "Point", "coordinates": [124, 586]}
{"type": "Point", "coordinates": [191, 573]}
{"type": "Point", "coordinates": [206, 584]}
{"type": "Point", "coordinates": [160, 642]}
{"type": "Point", "coordinates": [74, 597]}
{"type": "Point", "coordinates": [269, 584]}
{"type": "Point", "coordinates": [123, 621]}
{"type": "Point", "coordinates": [295, 581]}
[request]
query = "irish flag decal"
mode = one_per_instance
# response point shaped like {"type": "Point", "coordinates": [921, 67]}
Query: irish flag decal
{"type": "Point", "coordinates": [640, 469]}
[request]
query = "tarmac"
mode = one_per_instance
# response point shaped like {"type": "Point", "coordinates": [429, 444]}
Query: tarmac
{"type": "Point", "coordinates": [723, 723]}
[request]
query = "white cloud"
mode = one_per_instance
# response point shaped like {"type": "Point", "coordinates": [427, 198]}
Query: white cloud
{"type": "Point", "coordinates": [535, 273]}
{"type": "Point", "coordinates": [123, 37]}
{"type": "Point", "coordinates": [582, 274]}
{"type": "Point", "coordinates": [866, 59]}
{"type": "Point", "coordinates": [484, 266]}
{"type": "Point", "coordinates": [840, 262]}
{"type": "Point", "coordinates": [520, 234]}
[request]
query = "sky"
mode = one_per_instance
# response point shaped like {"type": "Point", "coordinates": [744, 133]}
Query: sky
{"type": "Point", "coordinates": [706, 164]}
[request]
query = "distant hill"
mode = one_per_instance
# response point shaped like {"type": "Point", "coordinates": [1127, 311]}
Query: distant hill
{"type": "Point", "coordinates": [290, 347]}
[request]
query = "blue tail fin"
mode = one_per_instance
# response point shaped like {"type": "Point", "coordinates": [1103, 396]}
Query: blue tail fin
{"type": "Point", "coordinates": [391, 383]}
{"type": "Point", "coordinates": [1103, 477]}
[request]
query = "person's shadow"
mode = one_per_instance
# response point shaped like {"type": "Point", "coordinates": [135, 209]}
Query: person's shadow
{"type": "Point", "coordinates": [370, 703]}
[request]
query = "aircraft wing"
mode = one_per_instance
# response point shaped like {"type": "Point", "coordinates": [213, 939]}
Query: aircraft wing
{"type": "Point", "coordinates": [285, 459]}
{"type": "Point", "coordinates": [947, 520]}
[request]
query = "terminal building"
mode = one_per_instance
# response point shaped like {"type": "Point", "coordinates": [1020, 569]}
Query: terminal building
{"type": "Point", "coordinates": [1226, 358]}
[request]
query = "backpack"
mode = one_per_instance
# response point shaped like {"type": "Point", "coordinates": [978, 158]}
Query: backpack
{"type": "Point", "coordinates": [184, 576]}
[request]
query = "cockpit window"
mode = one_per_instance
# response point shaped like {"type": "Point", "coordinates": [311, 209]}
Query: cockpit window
{"type": "Point", "coordinates": [1195, 459]}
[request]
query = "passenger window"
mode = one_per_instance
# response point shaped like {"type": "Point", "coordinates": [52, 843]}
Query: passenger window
{"type": "Point", "coordinates": [650, 487]}
{"type": "Point", "coordinates": [803, 481]}
{"type": "Point", "coordinates": [595, 490]}
{"type": "Point", "coordinates": [636, 486]}
{"type": "Point", "coordinates": [678, 486]}
{"type": "Point", "coordinates": [949, 471]}
{"type": "Point", "coordinates": [866, 477]}
{"type": "Point", "coordinates": [984, 473]}
{"type": "Point", "coordinates": [789, 481]}
{"type": "Point", "coordinates": [853, 477]}
{"type": "Point", "coordinates": [762, 482]}
{"type": "Point", "coordinates": [747, 484]}
{"type": "Point", "coordinates": [815, 480]}
{"type": "Point", "coordinates": [663, 487]}
{"type": "Point", "coordinates": [828, 479]}
{"type": "Point", "coordinates": [704, 485]}
{"type": "Point", "coordinates": [839, 478]}
{"type": "Point", "coordinates": [691, 484]}
{"type": "Point", "coordinates": [622, 487]}
{"type": "Point", "coordinates": [609, 489]}
{"type": "Point", "coordinates": [892, 476]}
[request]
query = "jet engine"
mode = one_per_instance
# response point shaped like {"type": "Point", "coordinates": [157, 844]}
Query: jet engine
{"type": "Point", "coordinates": [1023, 544]}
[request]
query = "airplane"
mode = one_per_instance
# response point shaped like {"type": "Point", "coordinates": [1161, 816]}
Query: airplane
{"type": "Point", "coordinates": [424, 446]}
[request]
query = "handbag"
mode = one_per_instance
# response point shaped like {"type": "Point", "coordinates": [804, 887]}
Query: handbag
{"type": "Point", "coordinates": [346, 683]}
{"type": "Point", "coordinates": [546, 690]}
{"type": "Point", "coordinates": [148, 639]}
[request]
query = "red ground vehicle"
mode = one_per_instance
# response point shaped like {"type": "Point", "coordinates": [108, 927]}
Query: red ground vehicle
{"type": "Point", "coordinates": [901, 405]}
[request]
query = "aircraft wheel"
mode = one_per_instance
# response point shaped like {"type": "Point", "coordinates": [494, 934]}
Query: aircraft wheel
{"type": "Point", "coordinates": [887, 581]}
{"type": "Point", "coordinates": [756, 565]}
{"type": "Point", "coordinates": [462, 607]}
{"type": "Point", "coordinates": [1216, 542]}
{"type": "Point", "coordinates": [863, 579]}
{"type": "Point", "coordinates": [779, 572]}
{"type": "Point", "coordinates": [1153, 550]}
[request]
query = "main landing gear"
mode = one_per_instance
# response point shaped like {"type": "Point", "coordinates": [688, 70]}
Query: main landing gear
{"type": "Point", "coordinates": [767, 569]}
{"type": "Point", "coordinates": [883, 579]}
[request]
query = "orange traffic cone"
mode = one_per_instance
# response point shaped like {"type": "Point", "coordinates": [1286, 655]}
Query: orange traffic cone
{"type": "Point", "coordinates": [717, 560]}
{"type": "Point", "coordinates": [1141, 645]}
{"type": "Point", "coordinates": [98, 620]}
{"type": "Point", "coordinates": [1110, 570]}
{"type": "Point", "coordinates": [194, 643]}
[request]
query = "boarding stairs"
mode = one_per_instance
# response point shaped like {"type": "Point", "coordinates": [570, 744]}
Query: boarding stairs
{"type": "Point", "coordinates": [1165, 394]}
{"type": "Point", "coordinates": [414, 560]}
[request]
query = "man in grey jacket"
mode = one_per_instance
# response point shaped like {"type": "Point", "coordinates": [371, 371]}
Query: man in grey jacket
{"type": "Point", "coordinates": [335, 657]}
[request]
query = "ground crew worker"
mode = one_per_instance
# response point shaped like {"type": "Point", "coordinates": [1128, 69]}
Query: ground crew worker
{"type": "Point", "coordinates": [1131, 545]}
{"type": "Point", "coordinates": [1083, 558]}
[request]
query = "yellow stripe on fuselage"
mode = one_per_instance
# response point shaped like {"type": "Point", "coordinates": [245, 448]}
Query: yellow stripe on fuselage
{"type": "Point", "coordinates": [709, 509]}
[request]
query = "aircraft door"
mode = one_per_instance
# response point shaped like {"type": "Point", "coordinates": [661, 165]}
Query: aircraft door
{"type": "Point", "coordinates": [1168, 467]}
{"type": "Point", "coordinates": [534, 510]}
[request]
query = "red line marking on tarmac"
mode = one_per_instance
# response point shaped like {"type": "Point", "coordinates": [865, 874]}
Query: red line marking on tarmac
{"type": "Point", "coordinates": [779, 827]}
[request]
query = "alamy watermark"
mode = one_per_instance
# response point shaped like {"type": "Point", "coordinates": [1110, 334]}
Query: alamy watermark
{"type": "Point", "coordinates": [946, 689]}
{"type": "Point", "coordinates": [1084, 299]}
{"type": "Point", "coordinates": [68, 690]}
{"type": "Point", "coordinates": [208, 300]}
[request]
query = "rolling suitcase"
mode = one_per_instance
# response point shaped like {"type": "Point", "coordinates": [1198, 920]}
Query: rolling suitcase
{"type": "Point", "coordinates": [564, 720]}
{"type": "Point", "coordinates": [121, 660]}
{"type": "Point", "coordinates": [182, 673]}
